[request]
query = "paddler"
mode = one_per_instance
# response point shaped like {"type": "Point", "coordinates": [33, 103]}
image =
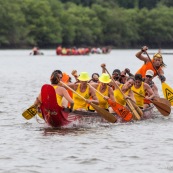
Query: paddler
{"type": "Point", "coordinates": [126, 90]}
{"type": "Point", "coordinates": [157, 61]}
{"type": "Point", "coordinates": [148, 79]}
{"type": "Point", "coordinates": [83, 89]}
{"type": "Point", "coordinates": [140, 88]}
{"type": "Point", "coordinates": [118, 87]}
{"type": "Point", "coordinates": [105, 90]}
{"type": "Point", "coordinates": [60, 91]}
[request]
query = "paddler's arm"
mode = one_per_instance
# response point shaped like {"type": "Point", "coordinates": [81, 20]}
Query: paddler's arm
{"type": "Point", "coordinates": [149, 90]}
{"type": "Point", "coordinates": [103, 68]}
{"type": "Point", "coordinates": [66, 95]}
{"type": "Point", "coordinates": [140, 56]}
{"type": "Point", "coordinates": [127, 71]}
{"type": "Point", "coordinates": [74, 73]}
{"type": "Point", "coordinates": [155, 90]}
{"type": "Point", "coordinates": [72, 86]}
{"type": "Point", "coordinates": [37, 100]}
{"type": "Point", "coordinates": [111, 94]}
{"type": "Point", "coordinates": [93, 95]}
{"type": "Point", "coordinates": [115, 84]}
{"type": "Point", "coordinates": [131, 95]}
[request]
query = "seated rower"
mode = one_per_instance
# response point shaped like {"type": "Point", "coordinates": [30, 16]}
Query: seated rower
{"type": "Point", "coordinates": [140, 89]}
{"type": "Point", "coordinates": [105, 90]}
{"type": "Point", "coordinates": [83, 89]}
{"type": "Point", "coordinates": [60, 91]}
{"type": "Point", "coordinates": [126, 90]}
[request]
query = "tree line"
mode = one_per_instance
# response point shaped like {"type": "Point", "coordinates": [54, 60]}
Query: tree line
{"type": "Point", "coordinates": [116, 23]}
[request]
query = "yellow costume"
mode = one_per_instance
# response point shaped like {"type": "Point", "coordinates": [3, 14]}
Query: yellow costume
{"type": "Point", "coordinates": [119, 97]}
{"type": "Point", "coordinates": [58, 97]}
{"type": "Point", "coordinates": [102, 102]}
{"type": "Point", "coordinates": [79, 103]}
{"type": "Point", "coordinates": [138, 98]}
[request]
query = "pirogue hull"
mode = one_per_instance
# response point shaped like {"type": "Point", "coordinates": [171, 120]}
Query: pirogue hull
{"type": "Point", "coordinates": [91, 117]}
{"type": "Point", "coordinates": [63, 119]}
{"type": "Point", "coordinates": [55, 116]}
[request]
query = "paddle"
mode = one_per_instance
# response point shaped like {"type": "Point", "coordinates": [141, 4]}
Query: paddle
{"type": "Point", "coordinates": [132, 106]}
{"type": "Point", "coordinates": [120, 110]}
{"type": "Point", "coordinates": [167, 90]}
{"type": "Point", "coordinates": [163, 108]}
{"type": "Point", "coordinates": [105, 114]}
{"type": "Point", "coordinates": [30, 112]}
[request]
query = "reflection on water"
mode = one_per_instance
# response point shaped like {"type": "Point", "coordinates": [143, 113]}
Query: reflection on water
{"type": "Point", "coordinates": [32, 146]}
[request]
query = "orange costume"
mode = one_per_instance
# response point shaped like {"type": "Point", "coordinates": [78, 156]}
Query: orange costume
{"type": "Point", "coordinates": [147, 66]}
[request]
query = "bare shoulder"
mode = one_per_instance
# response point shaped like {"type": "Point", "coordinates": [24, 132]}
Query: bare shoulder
{"type": "Point", "coordinates": [146, 86]}
{"type": "Point", "coordinates": [93, 84]}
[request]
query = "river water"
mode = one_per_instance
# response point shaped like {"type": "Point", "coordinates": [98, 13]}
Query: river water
{"type": "Point", "coordinates": [32, 147]}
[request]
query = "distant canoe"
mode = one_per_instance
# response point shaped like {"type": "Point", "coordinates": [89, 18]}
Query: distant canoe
{"type": "Point", "coordinates": [163, 53]}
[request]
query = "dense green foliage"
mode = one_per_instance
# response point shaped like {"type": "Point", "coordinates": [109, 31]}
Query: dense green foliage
{"type": "Point", "coordinates": [119, 23]}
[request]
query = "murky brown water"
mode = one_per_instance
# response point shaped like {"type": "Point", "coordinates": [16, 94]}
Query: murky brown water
{"type": "Point", "coordinates": [30, 147]}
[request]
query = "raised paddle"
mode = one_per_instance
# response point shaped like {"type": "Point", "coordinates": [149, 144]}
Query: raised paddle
{"type": "Point", "coordinates": [120, 110]}
{"type": "Point", "coordinates": [105, 114]}
{"type": "Point", "coordinates": [159, 103]}
{"type": "Point", "coordinates": [167, 90]}
{"type": "Point", "coordinates": [137, 114]}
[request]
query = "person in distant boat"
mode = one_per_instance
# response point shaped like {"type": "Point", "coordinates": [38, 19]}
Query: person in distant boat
{"type": "Point", "coordinates": [157, 62]}
{"type": "Point", "coordinates": [60, 91]}
{"type": "Point", "coordinates": [141, 88]}
{"type": "Point", "coordinates": [36, 51]}
{"type": "Point", "coordinates": [105, 90]}
{"type": "Point", "coordinates": [58, 50]}
{"type": "Point", "coordinates": [83, 89]}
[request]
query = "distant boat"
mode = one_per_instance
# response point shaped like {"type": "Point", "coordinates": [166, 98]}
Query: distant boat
{"type": "Point", "coordinates": [37, 53]}
{"type": "Point", "coordinates": [163, 53]}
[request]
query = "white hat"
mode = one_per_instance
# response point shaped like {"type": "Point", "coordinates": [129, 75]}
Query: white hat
{"type": "Point", "coordinates": [149, 73]}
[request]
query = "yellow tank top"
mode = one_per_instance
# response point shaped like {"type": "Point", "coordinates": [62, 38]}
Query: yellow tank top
{"type": "Point", "coordinates": [119, 97]}
{"type": "Point", "coordinates": [58, 97]}
{"type": "Point", "coordinates": [79, 103]}
{"type": "Point", "coordinates": [102, 102]}
{"type": "Point", "coordinates": [139, 99]}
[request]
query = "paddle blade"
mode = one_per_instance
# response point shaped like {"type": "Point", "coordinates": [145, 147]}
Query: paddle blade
{"type": "Point", "coordinates": [164, 101]}
{"type": "Point", "coordinates": [164, 109]}
{"type": "Point", "coordinates": [120, 110]}
{"type": "Point", "coordinates": [105, 114]}
{"type": "Point", "coordinates": [30, 112]}
{"type": "Point", "coordinates": [167, 92]}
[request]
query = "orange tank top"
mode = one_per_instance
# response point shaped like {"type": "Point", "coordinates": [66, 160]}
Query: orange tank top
{"type": "Point", "coordinates": [147, 66]}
